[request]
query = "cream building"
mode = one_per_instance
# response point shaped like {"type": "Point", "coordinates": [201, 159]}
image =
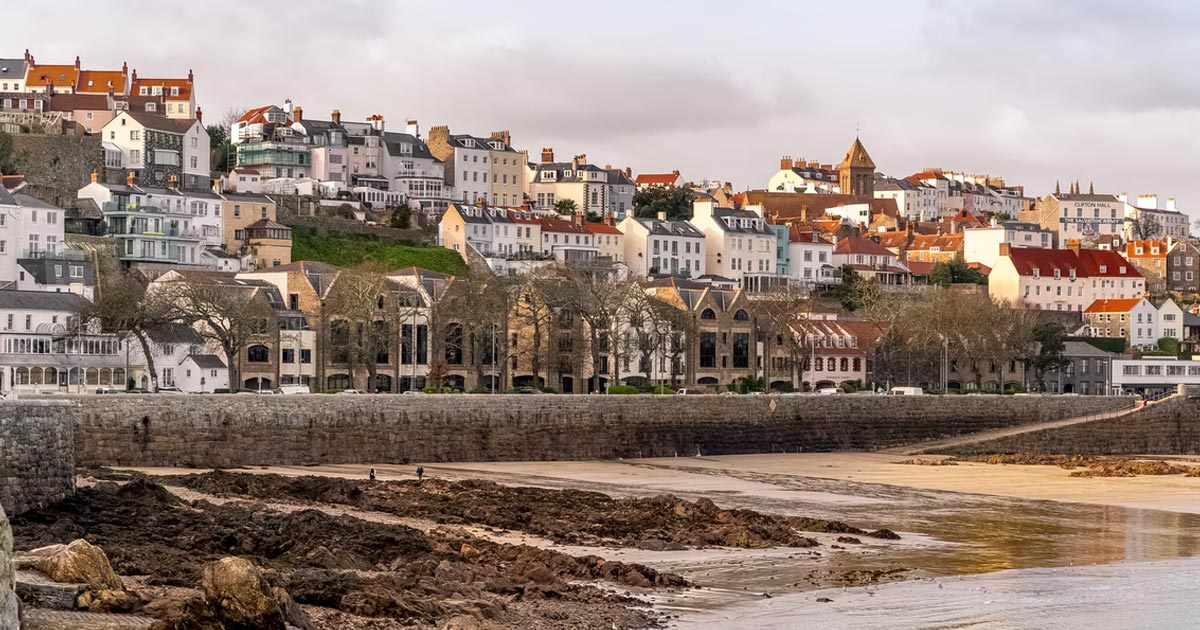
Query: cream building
{"type": "Point", "coordinates": [1062, 279]}
{"type": "Point", "coordinates": [738, 243]}
{"type": "Point", "coordinates": [661, 247]}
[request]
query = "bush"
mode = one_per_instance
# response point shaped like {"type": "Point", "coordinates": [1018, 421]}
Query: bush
{"type": "Point", "coordinates": [622, 389]}
{"type": "Point", "coordinates": [663, 389]}
{"type": "Point", "coordinates": [432, 390]}
{"type": "Point", "coordinates": [549, 390]}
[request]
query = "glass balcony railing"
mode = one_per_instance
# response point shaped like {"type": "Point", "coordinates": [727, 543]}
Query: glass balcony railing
{"type": "Point", "coordinates": [73, 255]}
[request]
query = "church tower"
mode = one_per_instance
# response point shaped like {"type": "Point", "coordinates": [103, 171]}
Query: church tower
{"type": "Point", "coordinates": [856, 173]}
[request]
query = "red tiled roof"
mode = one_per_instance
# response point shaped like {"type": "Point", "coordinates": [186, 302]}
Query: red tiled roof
{"type": "Point", "coordinates": [601, 228]}
{"type": "Point", "coordinates": [892, 238]}
{"type": "Point", "coordinates": [779, 206]}
{"type": "Point", "coordinates": [1114, 265]}
{"type": "Point", "coordinates": [859, 245]}
{"type": "Point", "coordinates": [657, 179]}
{"type": "Point", "coordinates": [99, 80]}
{"type": "Point", "coordinates": [185, 88]}
{"type": "Point", "coordinates": [43, 75]}
{"type": "Point", "coordinates": [945, 242]}
{"type": "Point", "coordinates": [800, 233]}
{"type": "Point", "coordinates": [254, 115]}
{"type": "Point", "coordinates": [1113, 306]}
{"type": "Point", "coordinates": [1086, 264]}
{"type": "Point", "coordinates": [1147, 247]}
{"type": "Point", "coordinates": [919, 268]}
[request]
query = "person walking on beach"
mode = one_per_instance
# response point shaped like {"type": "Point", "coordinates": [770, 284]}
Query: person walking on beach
{"type": "Point", "coordinates": [372, 473]}
{"type": "Point", "coordinates": [420, 474]}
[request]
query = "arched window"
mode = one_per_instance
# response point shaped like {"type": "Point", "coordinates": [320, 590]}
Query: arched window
{"type": "Point", "coordinates": [454, 344]}
{"type": "Point", "coordinates": [21, 376]}
{"type": "Point", "coordinates": [258, 354]}
{"type": "Point", "coordinates": [741, 316]}
{"type": "Point", "coordinates": [118, 379]}
{"type": "Point", "coordinates": [831, 364]}
{"type": "Point", "coordinates": [845, 365]}
{"type": "Point", "coordinates": [338, 381]}
{"type": "Point", "coordinates": [708, 313]}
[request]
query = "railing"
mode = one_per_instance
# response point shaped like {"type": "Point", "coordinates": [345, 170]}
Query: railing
{"type": "Point", "coordinates": [110, 207]}
{"type": "Point", "coordinates": [67, 254]}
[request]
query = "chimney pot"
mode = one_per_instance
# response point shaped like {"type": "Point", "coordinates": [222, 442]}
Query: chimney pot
{"type": "Point", "coordinates": [547, 155]}
{"type": "Point", "coordinates": [786, 163]}
{"type": "Point", "coordinates": [199, 114]}
{"type": "Point", "coordinates": [297, 113]}
{"type": "Point", "coordinates": [662, 215]}
{"type": "Point", "coordinates": [1005, 249]}
{"type": "Point", "coordinates": [95, 176]}
{"type": "Point", "coordinates": [130, 178]}
{"type": "Point", "coordinates": [336, 116]}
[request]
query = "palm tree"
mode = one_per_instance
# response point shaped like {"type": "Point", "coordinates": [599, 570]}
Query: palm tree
{"type": "Point", "coordinates": [565, 206]}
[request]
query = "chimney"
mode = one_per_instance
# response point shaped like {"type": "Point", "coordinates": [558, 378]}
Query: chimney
{"type": "Point", "coordinates": [412, 128]}
{"type": "Point", "coordinates": [336, 116]}
{"type": "Point", "coordinates": [199, 115]}
{"type": "Point", "coordinates": [786, 163]}
{"type": "Point", "coordinates": [124, 67]}
{"type": "Point", "coordinates": [1149, 202]}
{"type": "Point", "coordinates": [581, 159]}
{"type": "Point", "coordinates": [575, 162]}
{"type": "Point", "coordinates": [662, 215]}
{"type": "Point", "coordinates": [95, 176]}
{"type": "Point", "coordinates": [76, 62]}
{"type": "Point", "coordinates": [130, 178]}
{"type": "Point", "coordinates": [827, 167]}
{"type": "Point", "coordinates": [28, 57]}
{"type": "Point", "coordinates": [480, 202]}
{"type": "Point", "coordinates": [1171, 204]}
{"type": "Point", "coordinates": [1073, 245]}
{"type": "Point", "coordinates": [1123, 197]}
{"type": "Point", "coordinates": [547, 155]}
{"type": "Point", "coordinates": [503, 136]}
{"type": "Point", "coordinates": [580, 218]}
{"type": "Point", "coordinates": [134, 78]}
{"type": "Point", "coordinates": [608, 167]}
{"type": "Point", "coordinates": [439, 135]}
{"type": "Point", "coordinates": [608, 218]}
{"type": "Point", "coordinates": [297, 113]}
{"type": "Point", "coordinates": [190, 76]}
{"type": "Point", "coordinates": [1005, 249]}
{"type": "Point", "coordinates": [629, 172]}
{"type": "Point", "coordinates": [376, 123]}
{"type": "Point", "coordinates": [173, 182]}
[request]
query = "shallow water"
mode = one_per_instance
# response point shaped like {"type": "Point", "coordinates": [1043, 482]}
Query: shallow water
{"type": "Point", "coordinates": [1154, 595]}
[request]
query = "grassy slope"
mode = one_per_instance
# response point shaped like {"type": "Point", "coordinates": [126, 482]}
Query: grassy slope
{"type": "Point", "coordinates": [348, 250]}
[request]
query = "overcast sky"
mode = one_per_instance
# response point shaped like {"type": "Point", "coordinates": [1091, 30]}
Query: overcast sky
{"type": "Point", "coordinates": [1030, 90]}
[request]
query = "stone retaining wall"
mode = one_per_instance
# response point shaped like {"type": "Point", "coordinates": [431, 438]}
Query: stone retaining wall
{"type": "Point", "coordinates": [208, 431]}
{"type": "Point", "coordinates": [37, 453]}
{"type": "Point", "coordinates": [8, 597]}
{"type": "Point", "coordinates": [1171, 427]}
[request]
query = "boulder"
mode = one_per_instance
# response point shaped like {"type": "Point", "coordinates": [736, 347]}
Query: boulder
{"type": "Point", "coordinates": [79, 562]}
{"type": "Point", "coordinates": [9, 613]}
{"type": "Point", "coordinates": [240, 597]}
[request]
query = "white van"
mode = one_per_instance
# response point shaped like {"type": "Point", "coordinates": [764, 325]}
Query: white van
{"type": "Point", "coordinates": [906, 391]}
{"type": "Point", "coordinates": [830, 391]}
{"type": "Point", "coordinates": [294, 389]}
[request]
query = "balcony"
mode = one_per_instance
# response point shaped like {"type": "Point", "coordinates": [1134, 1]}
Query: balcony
{"type": "Point", "coordinates": [71, 255]}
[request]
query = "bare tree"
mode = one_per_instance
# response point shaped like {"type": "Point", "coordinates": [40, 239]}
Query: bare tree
{"type": "Point", "coordinates": [780, 316]}
{"type": "Point", "coordinates": [480, 305]}
{"type": "Point", "coordinates": [361, 318]}
{"type": "Point", "coordinates": [1144, 227]}
{"type": "Point", "coordinates": [590, 292]}
{"type": "Point", "coordinates": [232, 316]}
{"type": "Point", "coordinates": [123, 305]}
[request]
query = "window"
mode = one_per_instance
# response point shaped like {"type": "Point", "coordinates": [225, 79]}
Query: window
{"type": "Point", "coordinates": [708, 350]}
{"type": "Point", "coordinates": [708, 313]}
{"type": "Point", "coordinates": [258, 354]}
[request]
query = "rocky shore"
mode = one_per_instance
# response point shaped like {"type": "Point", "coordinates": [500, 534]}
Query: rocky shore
{"type": "Point", "coordinates": [310, 566]}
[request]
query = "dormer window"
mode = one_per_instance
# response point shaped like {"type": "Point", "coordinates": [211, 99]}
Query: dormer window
{"type": "Point", "coordinates": [1037, 273]}
{"type": "Point", "coordinates": [566, 173]}
{"type": "Point", "coordinates": [1122, 269]}
{"type": "Point", "coordinates": [1072, 274]}
{"type": "Point", "coordinates": [469, 143]}
{"type": "Point", "coordinates": [174, 91]}
{"type": "Point", "coordinates": [144, 91]}
{"type": "Point", "coordinates": [1057, 274]}
{"type": "Point", "coordinates": [1103, 268]}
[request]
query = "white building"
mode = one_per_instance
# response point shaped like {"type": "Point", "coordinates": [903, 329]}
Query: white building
{"type": "Point", "coordinates": [180, 360]}
{"type": "Point", "coordinates": [157, 147]}
{"type": "Point", "coordinates": [157, 225]}
{"type": "Point", "coordinates": [661, 247]}
{"type": "Point", "coordinates": [802, 176]}
{"type": "Point", "coordinates": [1174, 223]}
{"type": "Point", "coordinates": [738, 243]}
{"type": "Point", "coordinates": [914, 200]}
{"type": "Point", "coordinates": [982, 244]}
{"type": "Point", "coordinates": [1062, 279]}
{"type": "Point", "coordinates": [810, 257]}
{"type": "Point", "coordinates": [29, 228]}
{"type": "Point", "coordinates": [45, 346]}
{"type": "Point", "coordinates": [1083, 217]}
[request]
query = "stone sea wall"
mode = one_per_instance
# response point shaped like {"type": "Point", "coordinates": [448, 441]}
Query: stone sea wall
{"type": "Point", "coordinates": [210, 431]}
{"type": "Point", "coordinates": [37, 453]}
{"type": "Point", "coordinates": [1171, 427]}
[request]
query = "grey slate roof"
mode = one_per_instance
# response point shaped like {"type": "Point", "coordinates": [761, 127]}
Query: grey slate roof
{"type": "Point", "coordinates": [670, 228]}
{"type": "Point", "coordinates": [12, 69]}
{"type": "Point", "coordinates": [6, 198]}
{"type": "Point", "coordinates": [162, 123]}
{"type": "Point", "coordinates": [175, 333]}
{"type": "Point", "coordinates": [757, 226]}
{"type": "Point", "coordinates": [207, 361]}
{"type": "Point", "coordinates": [392, 140]}
{"type": "Point", "coordinates": [27, 201]}
{"type": "Point", "coordinates": [43, 301]}
{"type": "Point", "coordinates": [56, 271]}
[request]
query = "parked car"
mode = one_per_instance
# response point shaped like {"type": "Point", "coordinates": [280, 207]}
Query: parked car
{"type": "Point", "coordinates": [830, 391]}
{"type": "Point", "coordinates": [169, 390]}
{"type": "Point", "coordinates": [906, 391]}
{"type": "Point", "coordinates": [414, 392]}
{"type": "Point", "coordinates": [109, 390]}
{"type": "Point", "coordinates": [293, 389]}
{"type": "Point", "coordinates": [349, 391]}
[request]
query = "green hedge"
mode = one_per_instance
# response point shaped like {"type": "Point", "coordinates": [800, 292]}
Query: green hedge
{"type": "Point", "coordinates": [622, 389]}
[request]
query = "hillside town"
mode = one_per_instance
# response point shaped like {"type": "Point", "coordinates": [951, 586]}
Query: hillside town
{"type": "Point", "coordinates": [146, 246]}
